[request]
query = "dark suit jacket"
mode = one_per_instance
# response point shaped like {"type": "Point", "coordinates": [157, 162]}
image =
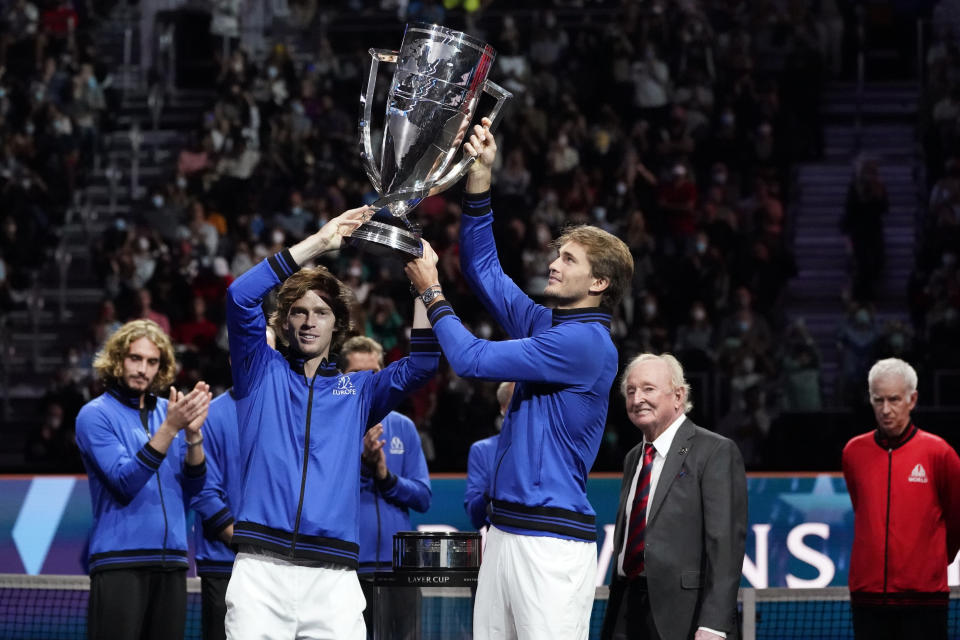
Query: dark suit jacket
{"type": "Point", "coordinates": [695, 536]}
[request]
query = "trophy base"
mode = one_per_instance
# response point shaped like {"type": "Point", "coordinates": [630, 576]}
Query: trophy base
{"type": "Point", "coordinates": [386, 240]}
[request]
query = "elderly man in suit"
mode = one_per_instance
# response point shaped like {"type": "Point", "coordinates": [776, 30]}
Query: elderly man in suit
{"type": "Point", "coordinates": [682, 521]}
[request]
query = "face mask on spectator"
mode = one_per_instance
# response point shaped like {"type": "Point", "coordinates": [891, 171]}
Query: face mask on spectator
{"type": "Point", "coordinates": [272, 72]}
{"type": "Point", "coordinates": [143, 243]}
{"type": "Point", "coordinates": [862, 316]}
{"type": "Point", "coordinates": [699, 315]}
{"type": "Point", "coordinates": [701, 247]}
{"type": "Point", "coordinates": [29, 128]}
{"type": "Point", "coordinates": [650, 309]}
{"type": "Point", "coordinates": [744, 325]}
{"type": "Point", "coordinates": [158, 201]}
{"type": "Point", "coordinates": [181, 182]}
{"type": "Point", "coordinates": [277, 237]}
{"type": "Point", "coordinates": [621, 188]}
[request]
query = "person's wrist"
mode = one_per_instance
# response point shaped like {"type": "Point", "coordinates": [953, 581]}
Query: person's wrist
{"type": "Point", "coordinates": [430, 295]}
{"type": "Point", "coordinates": [197, 438]}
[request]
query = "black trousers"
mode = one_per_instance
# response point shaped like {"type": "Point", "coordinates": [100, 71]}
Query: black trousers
{"type": "Point", "coordinates": [638, 618]}
{"type": "Point", "coordinates": [213, 595]}
{"type": "Point", "coordinates": [899, 623]}
{"type": "Point", "coordinates": [137, 604]}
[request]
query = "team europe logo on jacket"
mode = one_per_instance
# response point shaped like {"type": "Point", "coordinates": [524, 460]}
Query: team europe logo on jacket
{"type": "Point", "coordinates": [344, 387]}
{"type": "Point", "coordinates": [919, 474]}
{"type": "Point", "coordinates": [396, 445]}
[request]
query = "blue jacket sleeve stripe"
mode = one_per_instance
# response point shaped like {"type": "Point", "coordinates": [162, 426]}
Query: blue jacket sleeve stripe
{"type": "Point", "coordinates": [283, 264]}
{"type": "Point", "coordinates": [441, 309]}
{"type": "Point", "coordinates": [150, 457]}
{"type": "Point", "coordinates": [423, 341]}
{"type": "Point", "coordinates": [476, 204]}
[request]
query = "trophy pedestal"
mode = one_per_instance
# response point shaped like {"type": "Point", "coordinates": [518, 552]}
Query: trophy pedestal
{"type": "Point", "coordinates": [384, 239]}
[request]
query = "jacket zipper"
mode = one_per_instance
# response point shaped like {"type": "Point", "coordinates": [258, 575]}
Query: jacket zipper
{"type": "Point", "coordinates": [496, 473]}
{"type": "Point", "coordinates": [376, 503]}
{"type": "Point", "coordinates": [306, 457]}
{"type": "Point", "coordinates": [163, 507]}
{"type": "Point", "coordinates": [886, 532]}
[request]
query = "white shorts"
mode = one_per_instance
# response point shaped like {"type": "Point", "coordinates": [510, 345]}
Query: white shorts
{"type": "Point", "coordinates": [269, 597]}
{"type": "Point", "coordinates": [534, 588]}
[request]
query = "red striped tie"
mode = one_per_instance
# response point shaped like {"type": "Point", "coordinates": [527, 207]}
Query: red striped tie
{"type": "Point", "coordinates": [633, 558]}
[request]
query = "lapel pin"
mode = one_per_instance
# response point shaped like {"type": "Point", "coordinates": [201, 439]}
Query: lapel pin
{"type": "Point", "coordinates": [682, 451]}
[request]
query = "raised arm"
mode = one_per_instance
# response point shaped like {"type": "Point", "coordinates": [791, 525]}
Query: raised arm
{"type": "Point", "coordinates": [246, 324]}
{"type": "Point", "coordinates": [563, 354]}
{"type": "Point", "coordinates": [398, 379]}
{"type": "Point", "coordinates": [479, 262]}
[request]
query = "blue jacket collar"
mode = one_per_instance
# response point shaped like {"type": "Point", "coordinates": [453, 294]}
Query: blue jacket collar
{"type": "Point", "coordinates": [131, 398]}
{"type": "Point", "coordinates": [590, 314]}
{"type": "Point", "coordinates": [327, 368]}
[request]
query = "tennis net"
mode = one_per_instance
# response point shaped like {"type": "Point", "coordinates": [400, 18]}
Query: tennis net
{"type": "Point", "coordinates": [55, 608]}
{"type": "Point", "coordinates": [814, 614]}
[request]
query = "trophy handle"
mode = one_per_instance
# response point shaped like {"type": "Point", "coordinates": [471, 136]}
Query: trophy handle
{"type": "Point", "coordinates": [366, 107]}
{"type": "Point", "coordinates": [460, 169]}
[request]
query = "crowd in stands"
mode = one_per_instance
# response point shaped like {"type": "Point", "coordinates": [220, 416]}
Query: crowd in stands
{"type": "Point", "coordinates": [673, 125]}
{"type": "Point", "coordinates": [935, 287]}
{"type": "Point", "coordinates": [54, 96]}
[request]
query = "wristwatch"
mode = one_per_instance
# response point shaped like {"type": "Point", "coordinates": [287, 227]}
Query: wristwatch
{"type": "Point", "coordinates": [430, 294]}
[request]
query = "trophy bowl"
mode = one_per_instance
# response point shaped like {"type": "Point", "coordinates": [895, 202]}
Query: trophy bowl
{"type": "Point", "coordinates": [433, 550]}
{"type": "Point", "coordinates": [439, 78]}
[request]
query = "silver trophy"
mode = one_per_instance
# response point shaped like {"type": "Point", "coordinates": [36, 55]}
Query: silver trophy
{"type": "Point", "coordinates": [433, 98]}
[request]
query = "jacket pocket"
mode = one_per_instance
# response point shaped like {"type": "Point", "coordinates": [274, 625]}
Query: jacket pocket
{"type": "Point", "coordinates": [691, 580]}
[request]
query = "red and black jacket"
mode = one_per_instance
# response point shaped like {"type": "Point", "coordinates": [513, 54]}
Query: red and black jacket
{"type": "Point", "coordinates": [906, 502]}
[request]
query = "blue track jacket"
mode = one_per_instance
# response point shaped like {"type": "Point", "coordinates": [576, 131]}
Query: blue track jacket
{"type": "Point", "coordinates": [564, 363]}
{"type": "Point", "coordinates": [301, 439]}
{"type": "Point", "coordinates": [216, 504]}
{"type": "Point", "coordinates": [480, 463]}
{"type": "Point", "coordinates": [385, 505]}
{"type": "Point", "coordinates": [138, 494]}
